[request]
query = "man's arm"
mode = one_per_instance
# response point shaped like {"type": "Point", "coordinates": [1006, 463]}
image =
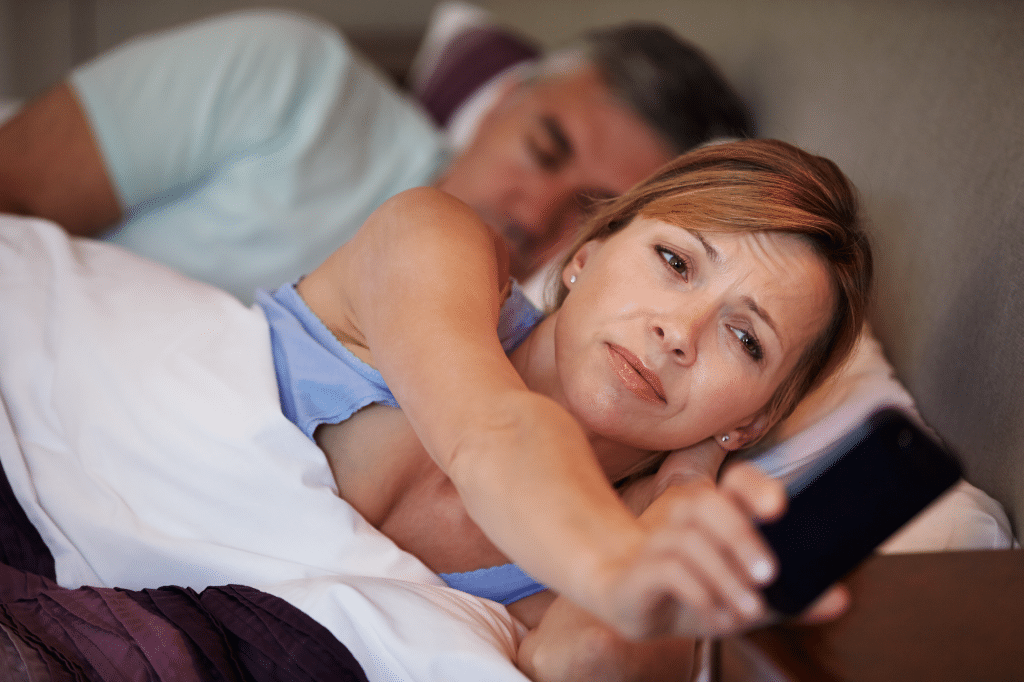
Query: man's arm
{"type": "Point", "coordinates": [572, 645]}
{"type": "Point", "coordinates": [50, 166]}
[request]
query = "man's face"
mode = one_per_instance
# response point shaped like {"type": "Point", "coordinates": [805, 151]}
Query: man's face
{"type": "Point", "coordinates": [541, 156]}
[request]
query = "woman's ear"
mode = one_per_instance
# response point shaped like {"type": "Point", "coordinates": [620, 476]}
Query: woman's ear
{"type": "Point", "coordinates": [745, 434]}
{"type": "Point", "coordinates": [575, 266]}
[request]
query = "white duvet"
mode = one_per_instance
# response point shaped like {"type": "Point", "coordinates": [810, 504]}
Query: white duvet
{"type": "Point", "coordinates": [142, 434]}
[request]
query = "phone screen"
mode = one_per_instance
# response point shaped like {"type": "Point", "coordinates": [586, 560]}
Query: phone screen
{"type": "Point", "coordinates": [868, 485]}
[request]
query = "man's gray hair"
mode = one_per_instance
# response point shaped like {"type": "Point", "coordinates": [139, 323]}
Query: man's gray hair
{"type": "Point", "coordinates": [671, 84]}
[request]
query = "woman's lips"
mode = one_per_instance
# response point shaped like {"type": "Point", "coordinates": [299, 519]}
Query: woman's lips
{"type": "Point", "coordinates": [641, 381]}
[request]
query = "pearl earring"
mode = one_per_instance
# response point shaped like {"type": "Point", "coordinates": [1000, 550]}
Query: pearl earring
{"type": "Point", "coordinates": [725, 438]}
{"type": "Point", "coordinates": [572, 279]}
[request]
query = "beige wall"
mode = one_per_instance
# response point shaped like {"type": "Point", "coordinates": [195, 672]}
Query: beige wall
{"type": "Point", "coordinates": [41, 39]}
{"type": "Point", "coordinates": [36, 44]}
{"type": "Point", "coordinates": [6, 72]}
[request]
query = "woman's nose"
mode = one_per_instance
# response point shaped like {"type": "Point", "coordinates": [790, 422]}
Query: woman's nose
{"type": "Point", "coordinates": [675, 343]}
{"type": "Point", "coordinates": [679, 334]}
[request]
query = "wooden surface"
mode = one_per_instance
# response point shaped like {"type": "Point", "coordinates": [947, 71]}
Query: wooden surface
{"type": "Point", "coordinates": [956, 616]}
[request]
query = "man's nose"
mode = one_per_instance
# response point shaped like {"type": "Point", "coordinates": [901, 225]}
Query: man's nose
{"type": "Point", "coordinates": [538, 202]}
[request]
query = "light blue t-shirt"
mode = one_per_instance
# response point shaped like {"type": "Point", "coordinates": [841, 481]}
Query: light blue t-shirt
{"type": "Point", "coordinates": [246, 148]}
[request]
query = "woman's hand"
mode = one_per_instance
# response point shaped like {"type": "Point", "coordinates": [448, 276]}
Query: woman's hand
{"type": "Point", "coordinates": [704, 563]}
{"type": "Point", "coordinates": [701, 567]}
{"type": "Point", "coordinates": [717, 543]}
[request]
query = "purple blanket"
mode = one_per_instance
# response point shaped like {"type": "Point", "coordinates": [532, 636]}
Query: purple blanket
{"type": "Point", "coordinates": [50, 634]}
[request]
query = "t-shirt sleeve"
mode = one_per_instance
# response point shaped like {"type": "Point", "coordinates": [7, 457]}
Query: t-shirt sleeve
{"type": "Point", "coordinates": [247, 147]}
{"type": "Point", "coordinates": [168, 109]}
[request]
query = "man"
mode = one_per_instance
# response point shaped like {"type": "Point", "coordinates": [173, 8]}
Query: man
{"type": "Point", "coordinates": [244, 149]}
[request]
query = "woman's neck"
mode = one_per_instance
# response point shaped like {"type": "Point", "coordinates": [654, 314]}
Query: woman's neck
{"type": "Point", "coordinates": [535, 361]}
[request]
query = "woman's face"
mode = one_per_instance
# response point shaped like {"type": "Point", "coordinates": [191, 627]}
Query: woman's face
{"type": "Point", "coordinates": [668, 336]}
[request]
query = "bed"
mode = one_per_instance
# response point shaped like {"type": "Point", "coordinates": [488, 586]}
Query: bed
{"type": "Point", "coordinates": [268, 574]}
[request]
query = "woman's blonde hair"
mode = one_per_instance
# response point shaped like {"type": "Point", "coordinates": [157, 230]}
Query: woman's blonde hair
{"type": "Point", "coordinates": [763, 186]}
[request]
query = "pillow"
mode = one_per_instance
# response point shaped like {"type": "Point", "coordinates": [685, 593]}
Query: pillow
{"type": "Point", "coordinates": [458, 69]}
{"type": "Point", "coordinates": [964, 518]}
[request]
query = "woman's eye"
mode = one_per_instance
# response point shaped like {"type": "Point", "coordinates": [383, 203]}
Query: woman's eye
{"type": "Point", "coordinates": [674, 261]}
{"type": "Point", "coordinates": [749, 343]}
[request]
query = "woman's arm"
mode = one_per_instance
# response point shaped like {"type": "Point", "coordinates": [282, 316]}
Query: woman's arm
{"type": "Point", "coordinates": [419, 287]}
{"type": "Point", "coordinates": [569, 644]}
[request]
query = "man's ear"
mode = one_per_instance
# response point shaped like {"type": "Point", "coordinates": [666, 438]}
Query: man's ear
{"type": "Point", "coordinates": [507, 89]}
{"type": "Point", "coordinates": [745, 434]}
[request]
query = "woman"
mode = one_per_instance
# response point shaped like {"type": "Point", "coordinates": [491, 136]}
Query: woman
{"type": "Point", "coordinates": [701, 305]}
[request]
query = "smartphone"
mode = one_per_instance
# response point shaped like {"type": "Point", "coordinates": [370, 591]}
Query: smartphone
{"type": "Point", "coordinates": [866, 486]}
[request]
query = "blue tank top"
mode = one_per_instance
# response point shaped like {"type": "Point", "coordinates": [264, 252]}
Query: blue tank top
{"type": "Point", "coordinates": [320, 381]}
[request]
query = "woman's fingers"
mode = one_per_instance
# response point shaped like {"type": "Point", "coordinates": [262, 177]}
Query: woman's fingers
{"type": "Point", "coordinates": [761, 496]}
{"type": "Point", "coordinates": [830, 605]}
{"type": "Point", "coordinates": [703, 561]}
{"type": "Point", "coordinates": [726, 520]}
{"type": "Point", "coordinates": [725, 580]}
{"type": "Point", "coordinates": [667, 598]}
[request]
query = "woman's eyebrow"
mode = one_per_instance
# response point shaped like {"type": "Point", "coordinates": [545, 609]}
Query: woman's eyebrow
{"type": "Point", "coordinates": [753, 307]}
{"type": "Point", "coordinates": [713, 255]}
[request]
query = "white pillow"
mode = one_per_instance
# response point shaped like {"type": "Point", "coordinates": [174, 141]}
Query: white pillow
{"type": "Point", "coordinates": [962, 519]}
{"type": "Point", "coordinates": [462, 65]}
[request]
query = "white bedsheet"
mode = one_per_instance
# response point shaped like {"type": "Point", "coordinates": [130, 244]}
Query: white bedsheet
{"type": "Point", "coordinates": [143, 437]}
